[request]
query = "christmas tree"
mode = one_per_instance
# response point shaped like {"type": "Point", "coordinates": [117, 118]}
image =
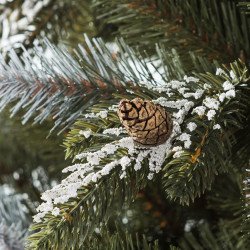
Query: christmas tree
{"type": "Point", "coordinates": [124, 124]}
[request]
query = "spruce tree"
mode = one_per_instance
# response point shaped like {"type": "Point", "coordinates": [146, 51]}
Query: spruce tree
{"type": "Point", "coordinates": [124, 124]}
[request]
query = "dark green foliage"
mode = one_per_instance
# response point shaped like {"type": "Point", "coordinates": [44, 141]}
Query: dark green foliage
{"type": "Point", "coordinates": [190, 175]}
{"type": "Point", "coordinates": [123, 242]}
{"type": "Point", "coordinates": [205, 238]}
{"type": "Point", "coordinates": [211, 24]}
{"type": "Point", "coordinates": [34, 161]}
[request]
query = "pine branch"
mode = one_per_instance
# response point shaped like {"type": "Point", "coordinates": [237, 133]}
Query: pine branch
{"type": "Point", "coordinates": [29, 161]}
{"type": "Point", "coordinates": [208, 157]}
{"type": "Point", "coordinates": [63, 88]}
{"type": "Point", "coordinates": [123, 241]}
{"type": "Point", "coordinates": [11, 237]}
{"type": "Point", "coordinates": [55, 84]}
{"type": "Point", "coordinates": [106, 171]}
{"type": "Point", "coordinates": [75, 212]}
{"type": "Point", "coordinates": [246, 215]}
{"type": "Point", "coordinates": [245, 6]}
{"type": "Point", "coordinates": [22, 23]}
{"type": "Point", "coordinates": [14, 219]}
{"type": "Point", "coordinates": [93, 208]}
{"type": "Point", "coordinates": [211, 20]}
{"type": "Point", "coordinates": [209, 24]}
{"type": "Point", "coordinates": [13, 208]}
{"type": "Point", "coordinates": [229, 198]}
{"type": "Point", "coordinates": [203, 237]}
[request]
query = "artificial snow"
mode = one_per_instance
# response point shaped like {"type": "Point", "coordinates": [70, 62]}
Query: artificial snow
{"type": "Point", "coordinates": [19, 25]}
{"type": "Point", "coordinates": [222, 97]}
{"type": "Point", "coordinates": [124, 153]}
{"type": "Point", "coordinates": [191, 126]}
{"type": "Point", "coordinates": [210, 114]}
{"type": "Point", "coordinates": [191, 79]}
{"type": "Point", "coordinates": [217, 126]}
{"type": "Point", "coordinates": [102, 114]}
{"type": "Point", "coordinates": [177, 154]}
{"type": "Point", "coordinates": [230, 94]}
{"type": "Point", "coordinates": [85, 133]}
{"type": "Point", "coordinates": [200, 110]}
{"type": "Point", "coordinates": [220, 72]}
{"type": "Point", "coordinates": [227, 85]}
{"type": "Point", "coordinates": [232, 75]}
{"type": "Point", "coordinates": [114, 131]}
{"type": "Point", "coordinates": [211, 103]}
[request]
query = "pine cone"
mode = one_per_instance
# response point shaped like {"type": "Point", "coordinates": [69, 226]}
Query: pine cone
{"type": "Point", "coordinates": [147, 123]}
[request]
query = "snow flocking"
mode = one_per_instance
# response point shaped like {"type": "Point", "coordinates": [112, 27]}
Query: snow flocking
{"type": "Point", "coordinates": [94, 165]}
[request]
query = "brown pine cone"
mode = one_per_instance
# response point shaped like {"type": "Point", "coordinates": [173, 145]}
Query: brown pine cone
{"type": "Point", "coordinates": [147, 123]}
